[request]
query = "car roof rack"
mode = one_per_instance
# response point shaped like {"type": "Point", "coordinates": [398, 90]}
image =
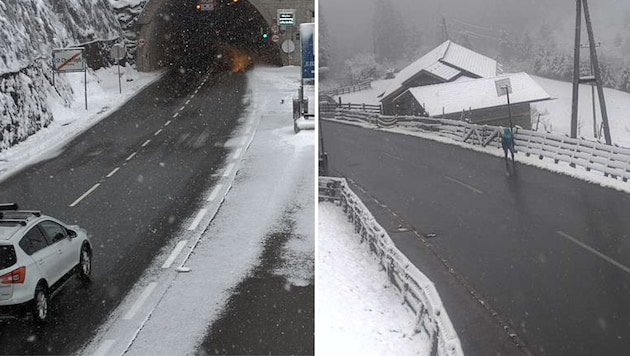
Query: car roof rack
{"type": "Point", "coordinates": [19, 214]}
{"type": "Point", "coordinates": [13, 221]}
{"type": "Point", "coordinates": [8, 206]}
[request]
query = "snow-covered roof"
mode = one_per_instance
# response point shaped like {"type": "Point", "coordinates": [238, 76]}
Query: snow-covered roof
{"type": "Point", "coordinates": [477, 93]}
{"type": "Point", "coordinates": [446, 61]}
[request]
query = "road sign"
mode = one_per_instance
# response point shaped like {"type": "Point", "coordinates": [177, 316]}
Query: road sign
{"type": "Point", "coordinates": [141, 42]}
{"type": "Point", "coordinates": [68, 60]}
{"type": "Point", "coordinates": [307, 31]}
{"type": "Point", "coordinates": [275, 29]}
{"type": "Point", "coordinates": [206, 5]}
{"type": "Point", "coordinates": [118, 52]}
{"type": "Point", "coordinates": [288, 46]}
{"type": "Point", "coordinates": [275, 38]}
{"type": "Point", "coordinates": [286, 17]}
{"type": "Point", "coordinates": [501, 86]}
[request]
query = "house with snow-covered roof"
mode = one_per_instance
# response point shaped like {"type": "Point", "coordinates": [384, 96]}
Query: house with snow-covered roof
{"type": "Point", "coordinates": [479, 101]}
{"type": "Point", "coordinates": [446, 63]}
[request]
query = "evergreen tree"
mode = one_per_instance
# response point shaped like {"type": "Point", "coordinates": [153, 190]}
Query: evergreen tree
{"type": "Point", "coordinates": [324, 44]}
{"type": "Point", "coordinates": [389, 33]}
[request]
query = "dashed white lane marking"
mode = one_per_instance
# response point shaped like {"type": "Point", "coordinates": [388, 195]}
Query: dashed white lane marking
{"type": "Point", "coordinates": [131, 156]}
{"type": "Point", "coordinates": [464, 185]}
{"type": "Point", "coordinates": [187, 101]}
{"type": "Point", "coordinates": [594, 251]}
{"type": "Point", "coordinates": [228, 170]}
{"type": "Point", "coordinates": [175, 115]}
{"type": "Point", "coordinates": [157, 132]}
{"type": "Point", "coordinates": [103, 350]}
{"type": "Point", "coordinates": [85, 195]}
{"type": "Point", "coordinates": [171, 258]}
{"type": "Point", "coordinates": [197, 220]}
{"type": "Point", "coordinates": [112, 172]}
{"type": "Point", "coordinates": [237, 153]}
{"type": "Point", "coordinates": [167, 123]}
{"type": "Point", "coordinates": [197, 91]}
{"type": "Point", "coordinates": [138, 304]}
{"type": "Point", "coordinates": [215, 191]}
{"type": "Point", "coordinates": [146, 143]}
{"type": "Point", "coordinates": [192, 96]}
{"type": "Point", "coordinates": [182, 108]}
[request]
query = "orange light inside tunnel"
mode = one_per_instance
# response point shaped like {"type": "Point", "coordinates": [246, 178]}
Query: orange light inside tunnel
{"type": "Point", "coordinates": [199, 7]}
{"type": "Point", "coordinates": [240, 61]}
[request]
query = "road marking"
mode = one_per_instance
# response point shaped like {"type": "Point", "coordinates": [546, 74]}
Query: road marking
{"type": "Point", "coordinates": [215, 191]}
{"type": "Point", "coordinates": [167, 123]}
{"type": "Point", "coordinates": [85, 195]}
{"type": "Point", "coordinates": [112, 172]}
{"type": "Point", "coordinates": [146, 143]}
{"type": "Point", "coordinates": [237, 153]}
{"type": "Point", "coordinates": [392, 156]}
{"type": "Point", "coordinates": [103, 350]}
{"type": "Point", "coordinates": [197, 91]}
{"type": "Point", "coordinates": [171, 258]}
{"type": "Point", "coordinates": [138, 304]}
{"type": "Point", "coordinates": [131, 156]}
{"type": "Point", "coordinates": [464, 185]}
{"type": "Point", "coordinates": [197, 220]}
{"type": "Point", "coordinates": [182, 108]}
{"type": "Point", "coordinates": [590, 249]}
{"type": "Point", "coordinates": [192, 96]}
{"type": "Point", "coordinates": [157, 132]}
{"type": "Point", "coordinates": [228, 170]}
{"type": "Point", "coordinates": [187, 102]}
{"type": "Point", "coordinates": [175, 115]}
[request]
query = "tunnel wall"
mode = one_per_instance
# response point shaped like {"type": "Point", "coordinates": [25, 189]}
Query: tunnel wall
{"type": "Point", "coordinates": [151, 57]}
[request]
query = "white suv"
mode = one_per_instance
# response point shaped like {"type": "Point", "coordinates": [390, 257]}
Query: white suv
{"type": "Point", "coordinates": [38, 255]}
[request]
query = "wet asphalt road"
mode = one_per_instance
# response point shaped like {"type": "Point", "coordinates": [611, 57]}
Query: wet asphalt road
{"type": "Point", "coordinates": [545, 251]}
{"type": "Point", "coordinates": [135, 211]}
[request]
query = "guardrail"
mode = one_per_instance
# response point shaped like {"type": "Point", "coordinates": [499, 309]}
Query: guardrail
{"type": "Point", "coordinates": [349, 89]}
{"type": "Point", "coordinates": [417, 291]}
{"type": "Point", "coordinates": [612, 161]}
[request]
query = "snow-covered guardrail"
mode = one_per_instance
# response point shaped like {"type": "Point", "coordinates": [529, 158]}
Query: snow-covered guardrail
{"type": "Point", "coordinates": [610, 160]}
{"type": "Point", "coordinates": [417, 291]}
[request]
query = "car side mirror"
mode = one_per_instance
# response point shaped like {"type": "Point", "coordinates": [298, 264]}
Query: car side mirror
{"type": "Point", "coordinates": [72, 234]}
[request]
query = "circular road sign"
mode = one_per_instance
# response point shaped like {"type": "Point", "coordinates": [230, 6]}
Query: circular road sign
{"type": "Point", "coordinates": [288, 46]}
{"type": "Point", "coordinates": [118, 52]}
{"type": "Point", "coordinates": [275, 38]}
{"type": "Point", "coordinates": [141, 42]}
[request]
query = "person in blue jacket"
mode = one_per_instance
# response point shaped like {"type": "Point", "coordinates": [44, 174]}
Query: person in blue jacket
{"type": "Point", "coordinates": [507, 142]}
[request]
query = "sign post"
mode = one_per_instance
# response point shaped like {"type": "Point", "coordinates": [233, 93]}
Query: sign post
{"type": "Point", "coordinates": [118, 52]}
{"type": "Point", "coordinates": [66, 60]}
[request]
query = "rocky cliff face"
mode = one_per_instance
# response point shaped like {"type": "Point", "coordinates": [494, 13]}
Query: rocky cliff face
{"type": "Point", "coordinates": [29, 30]}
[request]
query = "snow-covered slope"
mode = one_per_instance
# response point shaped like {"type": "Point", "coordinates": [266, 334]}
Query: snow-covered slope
{"type": "Point", "coordinates": [29, 30]}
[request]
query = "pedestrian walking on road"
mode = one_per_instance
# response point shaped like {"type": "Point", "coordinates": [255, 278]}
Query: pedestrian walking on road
{"type": "Point", "coordinates": [507, 142]}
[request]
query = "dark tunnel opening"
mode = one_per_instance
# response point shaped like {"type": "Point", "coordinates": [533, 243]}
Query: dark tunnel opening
{"type": "Point", "coordinates": [230, 37]}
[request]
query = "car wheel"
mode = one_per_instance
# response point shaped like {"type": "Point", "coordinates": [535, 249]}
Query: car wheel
{"type": "Point", "coordinates": [85, 264]}
{"type": "Point", "coordinates": [40, 305]}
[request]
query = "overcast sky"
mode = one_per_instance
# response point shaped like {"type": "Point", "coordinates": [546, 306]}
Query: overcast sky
{"type": "Point", "coordinates": [349, 21]}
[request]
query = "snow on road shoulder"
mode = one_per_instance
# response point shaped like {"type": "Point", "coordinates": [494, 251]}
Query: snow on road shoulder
{"type": "Point", "coordinates": [358, 311]}
{"type": "Point", "coordinates": [71, 119]}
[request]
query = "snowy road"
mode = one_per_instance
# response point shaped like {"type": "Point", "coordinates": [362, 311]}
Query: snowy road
{"type": "Point", "coordinates": [543, 250]}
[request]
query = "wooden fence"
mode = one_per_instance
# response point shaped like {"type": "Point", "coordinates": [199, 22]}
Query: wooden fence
{"type": "Point", "coordinates": [348, 89]}
{"type": "Point", "coordinates": [417, 291]}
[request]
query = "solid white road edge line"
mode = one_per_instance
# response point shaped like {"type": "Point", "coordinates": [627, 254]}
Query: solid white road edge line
{"type": "Point", "coordinates": [215, 191]}
{"type": "Point", "coordinates": [103, 350]}
{"type": "Point", "coordinates": [85, 195]}
{"type": "Point", "coordinates": [594, 251]}
{"type": "Point", "coordinates": [146, 143]}
{"type": "Point", "coordinates": [176, 251]}
{"type": "Point", "coordinates": [138, 304]}
{"type": "Point", "coordinates": [197, 220]}
{"type": "Point", "coordinates": [228, 170]}
{"type": "Point", "coordinates": [131, 156]}
{"type": "Point", "coordinates": [112, 172]}
{"type": "Point", "coordinates": [157, 132]}
{"type": "Point", "coordinates": [464, 185]}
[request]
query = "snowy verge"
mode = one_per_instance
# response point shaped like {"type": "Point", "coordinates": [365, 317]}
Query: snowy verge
{"type": "Point", "coordinates": [417, 291]}
{"type": "Point", "coordinates": [70, 116]}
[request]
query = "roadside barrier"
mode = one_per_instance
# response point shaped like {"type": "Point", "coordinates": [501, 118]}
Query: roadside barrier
{"type": "Point", "coordinates": [417, 291]}
{"type": "Point", "coordinates": [612, 161]}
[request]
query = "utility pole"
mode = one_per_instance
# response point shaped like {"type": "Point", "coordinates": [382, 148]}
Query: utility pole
{"type": "Point", "coordinates": [445, 36]}
{"type": "Point", "coordinates": [583, 4]}
{"type": "Point", "coordinates": [593, 95]}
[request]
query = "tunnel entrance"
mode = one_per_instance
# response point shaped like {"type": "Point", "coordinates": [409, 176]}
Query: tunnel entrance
{"type": "Point", "coordinates": [176, 35]}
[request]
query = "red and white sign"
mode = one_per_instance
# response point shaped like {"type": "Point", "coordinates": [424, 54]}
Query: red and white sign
{"type": "Point", "coordinates": [141, 42]}
{"type": "Point", "coordinates": [274, 29]}
{"type": "Point", "coordinates": [275, 38]}
{"type": "Point", "coordinates": [68, 60]}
